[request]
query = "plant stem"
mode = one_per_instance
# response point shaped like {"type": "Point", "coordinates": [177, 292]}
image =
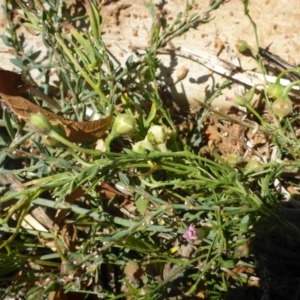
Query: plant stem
{"type": "Point", "coordinates": [65, 142]}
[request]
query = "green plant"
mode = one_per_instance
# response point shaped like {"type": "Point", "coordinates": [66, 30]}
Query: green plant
{"type": "Point", "coordinates": [162, 221]}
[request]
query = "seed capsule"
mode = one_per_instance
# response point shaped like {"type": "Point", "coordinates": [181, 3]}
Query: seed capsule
{"type": "Point", "coordinates": [282, 107]}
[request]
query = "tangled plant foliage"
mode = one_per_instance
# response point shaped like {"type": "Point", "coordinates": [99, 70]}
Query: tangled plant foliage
{"type": "Point", "coordinates": [142, 215]}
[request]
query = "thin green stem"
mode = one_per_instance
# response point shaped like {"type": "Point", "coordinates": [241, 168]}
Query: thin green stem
{"type": "Point", "coordinates": [109, 139]}
{"type": "Point", "coordinates": [284, 73]}
{"type": "Point", "coordinates": [79, 159]}
{"type": "Point", "coordinates": [65, 142]}
{"type": "Point", "coordinates": [25, 209]}
{"type": "Point", "coordinates": [288, 88]}
{"type": "Point", "coordinates": [251, 109]}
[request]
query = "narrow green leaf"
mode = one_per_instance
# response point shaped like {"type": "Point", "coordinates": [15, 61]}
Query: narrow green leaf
{"type": "Point", "coordinates": [8, 125]}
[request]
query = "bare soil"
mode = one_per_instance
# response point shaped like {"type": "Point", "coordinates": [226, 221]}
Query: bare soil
{"type": "Point", "coordinates": [127, 24]}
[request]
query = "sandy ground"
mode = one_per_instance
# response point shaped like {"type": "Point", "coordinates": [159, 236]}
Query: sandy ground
{"type": "Point", "coordinates": [126, 25]}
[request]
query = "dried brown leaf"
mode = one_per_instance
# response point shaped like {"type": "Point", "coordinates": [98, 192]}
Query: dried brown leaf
{"type": "Point", "coordinates": [84, 131]}
{"type": "Point", "coordinates": [75, 131]}
{"type": "Point", "coordinates": [24, 108]}
{"type": "Point", "coordinates": [12, 83]}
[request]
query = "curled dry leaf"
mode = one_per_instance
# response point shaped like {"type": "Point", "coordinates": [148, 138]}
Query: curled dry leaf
{"type": "Point", "coordinates": [12, 84]}
{"type": "Point", "coordinates": [76, 132]}
{"type": "Point", "coordinates": [84, 131]}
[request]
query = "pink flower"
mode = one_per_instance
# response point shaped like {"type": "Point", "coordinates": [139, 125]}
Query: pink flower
{"type": "Point", "coordinates": [229, 99]}
{"type": "Point", "coordinates": [191, 233]}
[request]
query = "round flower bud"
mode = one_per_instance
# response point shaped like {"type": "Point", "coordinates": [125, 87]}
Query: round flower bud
{"type": "Point", "coordinates": [156, 135]}
{"type": "Point", "coordinates": [242, 46]}
{"type": "Point", "coordinates": [275, 90]}
{"type": "Point", "coordinates": [124, 124]}
{"type": "Point", "coordinates": [282, 107]}
{"type": "Point", "coordinates": [40, 124]}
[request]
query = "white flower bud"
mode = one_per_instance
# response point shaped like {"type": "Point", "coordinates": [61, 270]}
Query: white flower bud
{"type": "Point", "coordinates": [156, 135]}
{"type": "Point", "coordinates": [124, 124]}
